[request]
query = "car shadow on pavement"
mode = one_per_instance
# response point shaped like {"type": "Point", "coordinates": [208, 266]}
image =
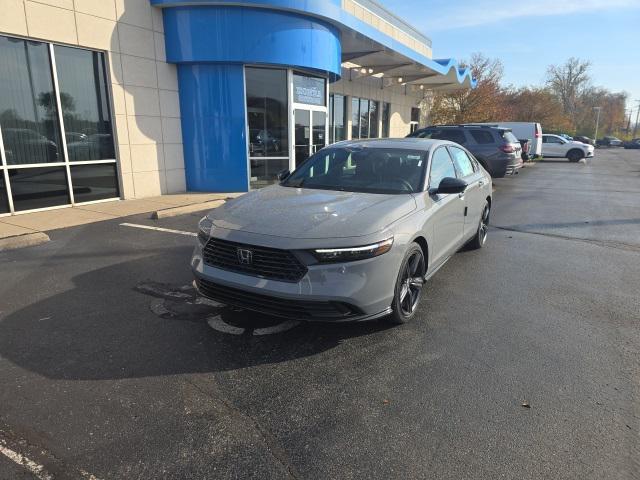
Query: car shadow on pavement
{"type": "Point", "coordinates": [108, 327]}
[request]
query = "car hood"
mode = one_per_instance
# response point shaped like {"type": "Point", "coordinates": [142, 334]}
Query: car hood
{"type": "Point", "coordinates": [580, 144]}
{"type": "Point", "coordinates": [309, 213]}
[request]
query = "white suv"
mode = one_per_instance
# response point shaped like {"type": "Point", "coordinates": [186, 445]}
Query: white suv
{"type": "Point", "coordinates": [554, 146]}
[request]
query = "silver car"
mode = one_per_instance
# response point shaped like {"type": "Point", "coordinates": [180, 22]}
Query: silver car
{"type": "Point", "coordinates": [350, 235]}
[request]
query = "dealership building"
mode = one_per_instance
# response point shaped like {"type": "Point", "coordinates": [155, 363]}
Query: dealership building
{"type": "Point", "coordinates": [115, 99]}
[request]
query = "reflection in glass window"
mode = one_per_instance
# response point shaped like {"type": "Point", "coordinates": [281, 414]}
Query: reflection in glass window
{"type": "Point", "coordinates": [373, 119]}
{"type": "Point", "coordinates": [267, 112]}
{"type": "Point", "coordinates": [463, 164]}
{"type": "Point", "coordinates": [364, 118]}
{"type": "Point", "coordinates": [337, 130]}
{"type": "Point", "coordinates": [94, 182]}
{"type": "Point", "coordinates": [386, 119]}
{"type": "Point", "coordinates": [38, 187]}
{"type": "Point", "coordinates": [355, 118]}
{"type": "Point", "coordinates": [415, 120]}
{"type": "Point", "coordinates": [4, 203]}
{"type": "Point", "coordinates": [84, 102]}
{"type": "Point", "coordinates": [441, 167]}
{"type": "Point", "coordinates": [28, 111]}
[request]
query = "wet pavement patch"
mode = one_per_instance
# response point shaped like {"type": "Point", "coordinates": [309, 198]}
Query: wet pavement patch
{"type": "Point", "coordinates": [182, 302]}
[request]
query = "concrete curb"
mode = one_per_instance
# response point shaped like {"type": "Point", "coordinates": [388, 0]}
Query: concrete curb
{"type": "Point", "coordinates": [21, 241]}
{"type": "Point", "coordinates": [196, 207]}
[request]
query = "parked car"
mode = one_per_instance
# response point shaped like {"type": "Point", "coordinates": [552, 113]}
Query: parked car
{"type": "Point", "coordinates": [586, 140]}
{"type": "Point", "coordinates": [497, 149]}
{"type": "Point", "coordinates": [632, 144]}
{"type": "Point", "coordinates": [368, 222]}
{"type": "Point", "coordinates": [523, 131]}
{"type": "Point", "coordinates": [98, 146]}
{"type": "Point", "coordinates": [609, 142]}
{"type": "Point", "coordinates": [25, 145]}
{"type": "Point", "coordinates": [554, 146]}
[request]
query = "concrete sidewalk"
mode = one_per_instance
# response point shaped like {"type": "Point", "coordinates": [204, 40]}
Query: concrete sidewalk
{"type": "Point", "coordinates": [29, 229]}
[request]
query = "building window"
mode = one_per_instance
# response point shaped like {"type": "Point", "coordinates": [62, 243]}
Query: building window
{"type": "Point", "coordinates": [373, 119]}
{"type": "Point", "coordinates": [386, 119]}
{"type": "Point", "coordinates": [337, 119]}
{"type": "Point", "coordinates": [47, 132]}
{"type": "Point", "coordinates": [364, 118]}
{"type": "Point", "coordinates": [415, 119]}
{"type": "Point", "coordinates": [355, 118]}
{"type": "Point", "coordinates": [268, 126]}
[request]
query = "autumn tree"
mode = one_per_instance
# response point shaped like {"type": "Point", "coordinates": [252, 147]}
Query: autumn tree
{"type": "Point", "coordinates": [612, 111]}
{"type": "Point", "coordinates": [537, 104]}
{"type": "Point", "coordinates": [481, 104]}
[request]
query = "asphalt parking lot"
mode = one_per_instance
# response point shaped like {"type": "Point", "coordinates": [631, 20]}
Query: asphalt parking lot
{"type": "Point", "coordinates": [524, 361]}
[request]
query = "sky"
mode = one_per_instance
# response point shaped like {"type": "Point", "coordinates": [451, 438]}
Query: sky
{"type": "Point", "coordinates": [529, 35]}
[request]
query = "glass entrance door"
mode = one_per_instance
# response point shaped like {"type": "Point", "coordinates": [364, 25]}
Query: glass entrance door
{"type": "Point", "coordinates": [310, 133]}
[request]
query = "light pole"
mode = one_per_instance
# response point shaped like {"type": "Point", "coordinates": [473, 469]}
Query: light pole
{"type": "Point", "coordinates": [635, 127]}
{"type": "Point", "coordinates": [595, 139]}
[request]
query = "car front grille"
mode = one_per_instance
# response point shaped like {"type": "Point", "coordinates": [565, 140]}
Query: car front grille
{"type": "Point", "coordinates": [276, 306]}
{"type": "Point", "coordinates": [263, 262]}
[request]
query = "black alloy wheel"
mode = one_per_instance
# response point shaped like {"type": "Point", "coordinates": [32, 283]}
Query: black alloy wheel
{"type": "Point", "coordinates": [480, 238]}
{"type": "Point", "coordinates": [408, 285]}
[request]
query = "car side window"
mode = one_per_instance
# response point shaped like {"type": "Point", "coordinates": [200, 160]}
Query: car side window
{"type": "Point", "coordinates": [429, 133]}
{"type": "Point", "coordinates": [462, 162]}
{"type": "Point", "coordinates": [451, 134]}
{"type": "Point", "coordinates": [441, 167]}
{"type": "Point", "coordinates": [482, 137]}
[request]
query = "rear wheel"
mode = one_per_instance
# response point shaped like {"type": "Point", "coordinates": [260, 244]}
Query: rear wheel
{"type": "Point", "coordinates": [575, 155]}
{"type": "Point", "coordinates": [408, 285]}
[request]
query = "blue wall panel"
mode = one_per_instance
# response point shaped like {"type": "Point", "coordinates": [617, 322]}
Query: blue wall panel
{"type": "Point", "coordinates": [212, 107]}
{"type": "Point", "coordinates": [251, 36]}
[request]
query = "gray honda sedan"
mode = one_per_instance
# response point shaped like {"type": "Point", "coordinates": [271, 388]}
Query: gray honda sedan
{"type": "Point", "coordinates": [350, 235]}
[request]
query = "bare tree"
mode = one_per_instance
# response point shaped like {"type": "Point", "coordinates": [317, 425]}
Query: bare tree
{"type": "Point", "coordinates": [568, 82]}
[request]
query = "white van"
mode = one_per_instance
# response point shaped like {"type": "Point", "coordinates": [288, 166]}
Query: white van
{"type": "Point", "coordinates": [523, 131]}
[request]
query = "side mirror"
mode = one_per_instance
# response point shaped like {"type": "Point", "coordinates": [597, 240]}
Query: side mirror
{"type": "Point", "coordinates": [282, 175]}
{"type": "Point", "coordinates": [451, 185]}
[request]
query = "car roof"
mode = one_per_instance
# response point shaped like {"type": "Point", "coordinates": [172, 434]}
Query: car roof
{"type": "Point", "coordinates": [410, 143]}
{"type": "Point", "coordinates": [469, 125]}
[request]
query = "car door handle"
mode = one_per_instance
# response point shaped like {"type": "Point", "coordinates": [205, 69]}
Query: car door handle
{"type": "Point", "coordinates": [481, 183]}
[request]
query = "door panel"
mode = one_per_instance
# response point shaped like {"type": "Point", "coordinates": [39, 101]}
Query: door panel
{"type": "Point", "coordinates": [448, 225]}
{"type": "Point", "coordinates": [319, 136]}
{"type": "Point", "coordinates": [448, 209]}
{"type": "Point", "coordinates": [473, 195]}
{"type": "Point", "coordinates": [302, 135]}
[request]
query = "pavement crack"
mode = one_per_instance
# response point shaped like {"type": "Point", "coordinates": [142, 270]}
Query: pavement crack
{"type": "Point", "coordinates": [600, 243]}
{"type": "Point", "coordinates": [276, 451]}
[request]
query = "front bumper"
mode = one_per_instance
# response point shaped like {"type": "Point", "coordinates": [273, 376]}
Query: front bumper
{"type": "Point", "coordinates": [338, 292]}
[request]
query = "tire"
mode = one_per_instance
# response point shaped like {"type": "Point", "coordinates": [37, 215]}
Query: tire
{"type": "Point", "coordinates": [575, 155]}
{"type": "Point", "coordinates": [480, 238]}
{"type": "Point", "coordinates": [407, 291]}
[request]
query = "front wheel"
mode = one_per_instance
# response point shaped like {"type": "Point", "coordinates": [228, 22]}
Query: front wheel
{"type": "Point", "coordinates": [480, 238]}
{"type": "Point", "coordinates": [408, 285]}
{"type": "Point", "coordinates": [575, 155]}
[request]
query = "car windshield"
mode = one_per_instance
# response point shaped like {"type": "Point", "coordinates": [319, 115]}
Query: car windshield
{"type": "Point", "coordinates": [362, 169]}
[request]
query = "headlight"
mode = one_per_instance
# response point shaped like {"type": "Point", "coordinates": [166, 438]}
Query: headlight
{"type": "Point", "coordinates": [204, 229]}
{"type": "Point", "coordinates": [350, 254]}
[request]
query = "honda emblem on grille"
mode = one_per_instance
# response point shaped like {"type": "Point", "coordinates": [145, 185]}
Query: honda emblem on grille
{"type": "Point", "coordinates": [245, 257]}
